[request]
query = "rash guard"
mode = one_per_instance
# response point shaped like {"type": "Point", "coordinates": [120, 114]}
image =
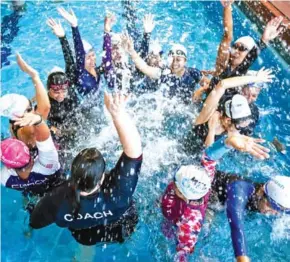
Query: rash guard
{"type": "Point", "coordinates": [86, 82]}
{"type": "Point", "coordinates": [97, 209]}
{"type": "Point", "coordinates": [45, 172]}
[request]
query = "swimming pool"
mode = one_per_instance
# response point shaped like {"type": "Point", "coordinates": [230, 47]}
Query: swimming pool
{"type": "Point", "coordinates": [199, 26]}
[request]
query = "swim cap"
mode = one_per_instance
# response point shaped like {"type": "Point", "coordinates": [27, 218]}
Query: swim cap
{"type": "Point", "coordinates": [13, 105]}
{"type": "Point", "coordinates": [278, 192]}
{"type": "Point", "coordinates": [178, 50]}
{"type": "Point", "coordinates": [155, 48]}
{"type": "Point", "coordinates": [237, 107]}
{"type": "Point", "coordinates": [57, 81]}
{"type": "Point", "coordinates": [116, 39]}
{"type": "Point", "coordinates": [247, 41]}
{"type": "Point", "coordinates": [14, 153]}
{"type": "Point", "coordinates": [55, 69]}
{"type": "Point", "coordinates": [193, 182]}
{"type": "Point", "coordinates": [87, 46]}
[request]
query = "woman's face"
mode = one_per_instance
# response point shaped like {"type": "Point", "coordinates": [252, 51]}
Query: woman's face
{"type": "Point", "coordinates": [117, 53]}
{"type": "Point", "coordinates": [177, 64]}
{"type": "Point", "coordinates": [251, 93]}
{"type": "Point", "coordinates": [154, 60]}
{"type": "Point", "coordinates": [264, 207]}
{"type": "Point", "coordinates": [238, 54]}
{"type": "Point", "coordinates": [58, 95]}
{"type": "Point", "coordinates": [90, 60]}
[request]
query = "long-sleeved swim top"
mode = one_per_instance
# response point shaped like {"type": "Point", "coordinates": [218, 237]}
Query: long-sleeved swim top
{"type": "Point", "coordinates": [70, 65]}
{"type": "Point", "coordinates": [86, 82]}
{"type": "Point", "coordinates": [102, 208]}
{"type": "Point", "coordinates": [239, 195]}
{"type": "Point", "coordinates": [181, 87]}
{"type": "Point", "coordinates": [44, 174]}
{"type": "Point", "coordinates": [188, 217]}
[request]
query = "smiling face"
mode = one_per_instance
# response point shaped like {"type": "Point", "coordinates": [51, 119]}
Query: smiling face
{"type": "Point", "coordinates": [58, 95]}
{"type": "Point", "coordinates": [238, 54]}
{"type": "Point", "coordinates": [177, 64]}
{"type": "Point", "coordinates": [90, 60]}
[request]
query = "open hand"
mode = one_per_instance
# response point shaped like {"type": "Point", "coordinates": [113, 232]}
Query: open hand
{"type": "Point", "coordinates": [272, 29]}
{"type": "Point", "coordinates": [127, 43]}
{"type": "Point", "coordinates": [25, 67]}
{"type": "Point", "coordinates": [68, 16]}
{"type": "Point", "coordinates": [264, 75]}
{"type": "Point", "coordinates": [28, 119]}
{"type": "Point", "coordinates": [115, 103]}
{"type": "Point", "coordinates": [249, 145]}
{"type": "Point", "coordinates": [226, 3]}
{"type": "Point", "coordinates": [110, 20]}
{"type": "Point", "coordinates": [57, 28]}
{"type": "Point", "coordinates": [148, 23]}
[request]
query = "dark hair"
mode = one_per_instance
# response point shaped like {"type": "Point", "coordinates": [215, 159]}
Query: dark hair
{"type": "Point", "coordinates": [86, 171]}
{"type": "Point", "coordinates": [56, 78]}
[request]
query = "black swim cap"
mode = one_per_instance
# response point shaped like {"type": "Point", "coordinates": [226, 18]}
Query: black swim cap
{"type": "Point", "coordinates": [58, 80]}
{"type": "Point", "coordinates": [87, 169]}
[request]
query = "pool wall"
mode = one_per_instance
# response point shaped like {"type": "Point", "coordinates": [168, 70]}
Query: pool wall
{"type": "Point", "coordinates": [260, 12]}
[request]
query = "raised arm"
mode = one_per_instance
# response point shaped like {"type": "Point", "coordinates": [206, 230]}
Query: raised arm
{"type": "Point", "coordinates": [224, 47]}
{"type": "Point", "coordinates": [152, 72]}
{"type": "Point", "coordinates": [43, 104]}
{"type": "Point", "coordinates": [214, 97]}
{"type": "Point", "coordinates": [107, 63]}
{"type": "Point", "coordinates": [126, 128]}
{"type": "Point", "coordinates": [70, 66]}
{"type": "Point", "coordinates": [78, 44]}
{"type": "Point", "coordinates": [148, 25]}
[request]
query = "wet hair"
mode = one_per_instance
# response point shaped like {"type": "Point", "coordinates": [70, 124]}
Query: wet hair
{"type": "Point", "coordinates": [56, 78]}
{"type": "Point", "coordinates": [86, 172]}
{"type": "Point", "coordinates": [87, 169]}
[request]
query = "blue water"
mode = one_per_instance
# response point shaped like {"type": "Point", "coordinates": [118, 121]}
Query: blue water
{"type": "Point", "coordinates": [162, 124]}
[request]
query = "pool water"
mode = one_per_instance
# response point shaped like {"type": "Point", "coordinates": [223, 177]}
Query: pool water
{"type": "Point", "coordinates": [163, 124]}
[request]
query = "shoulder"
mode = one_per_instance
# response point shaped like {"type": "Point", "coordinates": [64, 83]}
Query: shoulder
{"type": "Point", "coordinates": [128, 165]}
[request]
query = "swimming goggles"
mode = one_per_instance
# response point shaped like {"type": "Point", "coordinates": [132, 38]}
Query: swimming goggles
{"type": "Point", "coordinates": [177, 53]}
{"type": "Point", "coordinates": [239, 47]}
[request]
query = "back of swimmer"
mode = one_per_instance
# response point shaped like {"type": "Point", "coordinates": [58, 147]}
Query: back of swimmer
{"type": "Point", "coordinates": [97, 206]}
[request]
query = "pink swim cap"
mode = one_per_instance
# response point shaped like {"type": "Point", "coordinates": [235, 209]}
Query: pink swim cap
{"type": "Point", "coordinates": [14, 153]}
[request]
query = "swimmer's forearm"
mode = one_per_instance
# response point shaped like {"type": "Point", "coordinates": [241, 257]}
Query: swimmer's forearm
{"type": "Point", "coordinates": [128, 134]}
{"type": "Point", "coordinates": [210, 138]}
{"type": "Point", "coordinates": [210, 104]}
{"type": "Point", "coordinates": [228, 23]}
{"type": "Point", "coordinates": [224, 48]}
{"type": "Point", "coordinates": [149, 71]}
{"type": "Point", "coordinates": [43, 104]}
{"type": "Point", "coordinates": [239, 81]}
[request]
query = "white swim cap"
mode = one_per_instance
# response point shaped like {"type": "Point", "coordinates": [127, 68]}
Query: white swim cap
{"type": "Point", "coordinates": [155, 48]}
{"type": "Point", "coordinates": [278, 190]}
{"type": "Point", "coordinates": [87, 46]}
{"type": "Point", "coordinates": [247, 41]}
{"type": "Point", "coordinates": [56, 69]}
{"type": "Point", "coordinates": [13, 105]}
{"type": "Point", "coordinates": [116, 39]}
{"type": "Point", "coordinates": [237, 107]}
{"type": "Point", "coordinates": [178, 50]}
{"type": "Point", "coordinates": [193, 182]}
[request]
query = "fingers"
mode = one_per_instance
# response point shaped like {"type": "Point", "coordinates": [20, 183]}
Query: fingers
{"type": "Point", "coordinates": [260, 152]}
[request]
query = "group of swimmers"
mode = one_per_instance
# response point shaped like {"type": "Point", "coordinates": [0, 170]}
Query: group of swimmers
{"type": "Point", "coordinates": [98, 206]}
